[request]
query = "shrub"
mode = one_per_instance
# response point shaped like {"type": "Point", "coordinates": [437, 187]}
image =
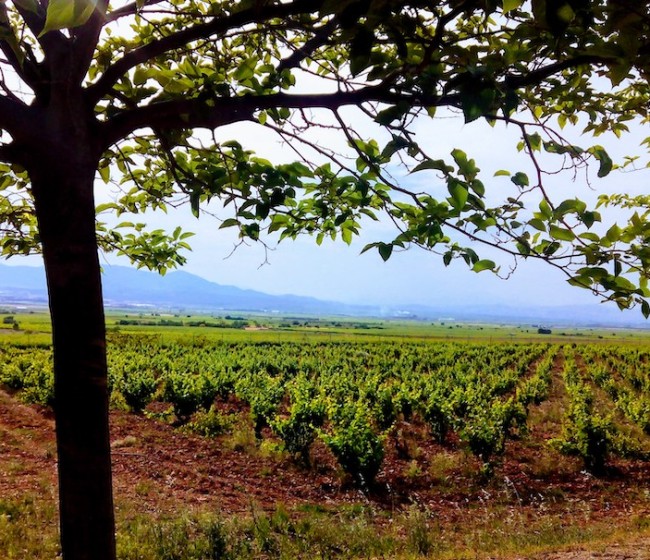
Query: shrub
{"type": "Point", "coordinates": [585, 434]}
{"type": "Point", "coordinates": [211, 423]}
{"type": "Point", "coordinates": [354, 443]}
{"type": "Point", "coordinates": [188, 393]}
{"type": "Point", "coordinates": [306, 415]}
{"type": "Point", "coordinates": [137, 388]}
{"type": "Point", "coordinates": [298, 431]}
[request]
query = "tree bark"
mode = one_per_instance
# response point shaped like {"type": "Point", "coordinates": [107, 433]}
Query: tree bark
{"type": "Point", "coordinates": [62, 181]}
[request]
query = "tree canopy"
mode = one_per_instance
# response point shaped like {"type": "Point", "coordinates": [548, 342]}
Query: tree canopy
{"type": "Point", "coordinates": [136, 95]}
{"type": "Point", "coordinates": [153, 72]}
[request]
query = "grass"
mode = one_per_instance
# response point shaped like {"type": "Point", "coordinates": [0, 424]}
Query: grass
{"type": "Point", "coordinates": [26, 531]}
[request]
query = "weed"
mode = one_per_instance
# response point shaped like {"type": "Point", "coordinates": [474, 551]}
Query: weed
{"type": "Point", "coordinates": [211, 423]}
{"type": "Point", "coordinates": [128, 441]}
{"type": "Point", "coordinates": [441, 465]}
{"type": "Point", "coordinates": [242, 439]}
{"type": "Point", "coordinates": [419, 536]}
{"type": "Point", "coordinates": [413, 470]}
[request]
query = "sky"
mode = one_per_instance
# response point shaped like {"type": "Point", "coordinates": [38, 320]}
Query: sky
{"type": "Point", "coordinates": [335, 271]}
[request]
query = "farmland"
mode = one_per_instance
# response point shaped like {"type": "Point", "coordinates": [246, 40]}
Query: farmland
{"type": "Point", "coordinates": [441, 438]}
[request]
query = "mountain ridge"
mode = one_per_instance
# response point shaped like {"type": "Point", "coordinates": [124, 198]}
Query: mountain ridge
{"type": "Point", "coordinates": [126, 287]}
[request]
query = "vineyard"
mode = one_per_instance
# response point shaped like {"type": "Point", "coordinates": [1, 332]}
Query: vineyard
{"type": "Point", "coordinates": [353, 396]}
{"type": "Point", "coordinates": [545, 429]}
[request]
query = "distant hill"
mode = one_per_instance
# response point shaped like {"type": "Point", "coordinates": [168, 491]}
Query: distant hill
{"type": "Point", "coordinates": [126, 287]}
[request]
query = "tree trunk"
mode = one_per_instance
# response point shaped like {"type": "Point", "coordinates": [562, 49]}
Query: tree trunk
{"type": "Point", "coordinates": [62, 181]}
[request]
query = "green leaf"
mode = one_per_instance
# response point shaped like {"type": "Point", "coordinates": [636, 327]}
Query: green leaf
{"type": "Point", "coordinates": [569, 206]}
{"type": "Point", "coordinates": [368, 246]}
{"type": "Point", "coordinates": [361, 49]}
{"type": "Point", "coordinates": [520, 179]}
{"type": "Point", "coordinates": [478, 187]}
{"type": "Point", "coordinates": [645, 308]}
{"type": "Point", "coordinates": [65, 14]}
{"type": "Point", "coordinates": [509, 5]}
{"type": "Point", "coordinates": [467, 167]}
{"type": "Point", "coordinates": [537, 224]}
{"type": "Point", "coordinates": [459, 193]}
{"type": "Point", "coordinates": [502, 173]}
{"type": "Point", "coordinates": [613, 233]}
{"type": "Point", "coordinates": [561, 233]}
{"type": "Point", "coordinates": [588, 218]}
{"type": "Point", "coordinates": [545, 209]}
{"type": "Point", "coordinates": [484, 264]}
{"type": "Point", "coordinates": [551, 248]}
{"type": "Point", "coordinates": [195, 202]}
{"type": "Point", "coordinates": [396, 144]}
{"type": "Point", "coordinates": [246, 69]}
{"type": "Point", "coordinates": [140, 76]}
{"type": "Point", "coordinates": [580, 282]}
{"type": "Point", "coordinates": [8, 34]}
{"type": "Point", "coordinates": [105, 173]}
{"type": "Point", "coordinates": [606, 163]}
{"type": "Point", "coordinates": [230, 222]}
{"type": "Point", "coordinates": [477, 100]}
{"type": "Point", "coordinates": [391, 114]}
{"type": "Point", "coordinates": [106, 206]}
{"type": "Point", "coordinates": [385, 250]}
{"type": "Point", "coordinates": [437, 164]}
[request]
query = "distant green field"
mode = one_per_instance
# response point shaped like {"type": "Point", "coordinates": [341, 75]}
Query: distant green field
{"type": "Point", "coordinates": [34, 327]}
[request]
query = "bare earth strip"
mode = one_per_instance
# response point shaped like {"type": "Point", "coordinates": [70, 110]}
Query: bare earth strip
{"type": "Point", "coordinates": [635, 550]}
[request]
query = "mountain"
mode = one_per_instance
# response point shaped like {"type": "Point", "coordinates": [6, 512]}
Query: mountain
{"type": "Point", "coordinates": [126, 287]}
{"type": "Point", "coordinates": [22, 284]}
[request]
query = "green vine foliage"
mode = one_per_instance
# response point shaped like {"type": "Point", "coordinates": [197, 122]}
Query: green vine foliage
{"type": "Point", "coordinates": [478, 396]}
{"type": "Point", "coordinates": [586, 433]}
{"type": "Point", "coordinates": [354, 442]}
{"type": "Point", "coordinates": [298, 430]}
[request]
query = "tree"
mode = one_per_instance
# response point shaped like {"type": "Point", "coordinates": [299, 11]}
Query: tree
{"type": "Point", "coordinates": [113, 90]}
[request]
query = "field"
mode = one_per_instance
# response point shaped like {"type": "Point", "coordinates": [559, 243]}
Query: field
{"type": "Point", "coordinates": [250, 437]}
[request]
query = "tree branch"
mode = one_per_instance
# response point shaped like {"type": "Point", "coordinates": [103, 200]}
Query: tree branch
{"type": "Point", "coordinates": [180, 39]}
{"type": "Point", "coordinates": [130, 10]}
{"type": "Point", "coordinates": [35, 21]}
{"type": "Point", "coordinates": [9, 154]}
{"type": "Point", "coordinates": [86, 38]}
{"type": "Point", "coordinates": [15, 117]}
{"type": "Point", "coordinates": [320, 37]}
{"type": "Point", "coordinates": [26, 69]}
{"type": "Point", "coordinates": [537, 76]}
{"type": "Point", "coordinates": [212, 113]}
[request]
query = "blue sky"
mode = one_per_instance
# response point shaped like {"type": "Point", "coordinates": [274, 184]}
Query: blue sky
{"type": "Point", "coordinates": [338, 272]}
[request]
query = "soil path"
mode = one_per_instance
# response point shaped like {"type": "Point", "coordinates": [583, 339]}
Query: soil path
{"type": "Point", "coordinates": [635, 550]}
